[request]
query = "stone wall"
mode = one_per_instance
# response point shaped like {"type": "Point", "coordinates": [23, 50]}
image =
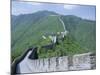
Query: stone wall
{"type": "Point", "coordinates": [84, 61]}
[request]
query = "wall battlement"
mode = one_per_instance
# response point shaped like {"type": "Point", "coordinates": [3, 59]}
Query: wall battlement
{"type": "Point", "coordinates": [84, 61]}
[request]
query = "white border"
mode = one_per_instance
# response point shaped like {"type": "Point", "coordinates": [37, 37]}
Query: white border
{"type": "Point", "coordinates": [5, 37]}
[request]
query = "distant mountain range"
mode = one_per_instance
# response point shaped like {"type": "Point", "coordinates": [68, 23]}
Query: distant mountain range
{"type": "Point", "coordinates": [27, 29]}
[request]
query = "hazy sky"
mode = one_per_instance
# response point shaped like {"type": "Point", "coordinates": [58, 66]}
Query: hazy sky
{"type": "Point", "coordinates": [83, 11]}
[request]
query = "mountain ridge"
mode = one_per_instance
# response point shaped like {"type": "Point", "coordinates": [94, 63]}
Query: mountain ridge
{"type": "Point", "coordinates": [27, 29]}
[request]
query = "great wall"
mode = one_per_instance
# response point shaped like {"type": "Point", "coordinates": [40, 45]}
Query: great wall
{"type": "Point", "coordinates": [85, 61]}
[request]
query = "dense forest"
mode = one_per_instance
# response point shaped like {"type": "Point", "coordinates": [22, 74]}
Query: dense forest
{"type": "Point", "coordinates": [27, 31]}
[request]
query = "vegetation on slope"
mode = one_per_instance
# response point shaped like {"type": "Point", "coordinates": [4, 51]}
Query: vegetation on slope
{"type": "Point", "coordinates": [83, 31]}
{"type": "Point", "coordinates": [27, 31]}
{"type": "Point", "coordinates": [66, 47]}
{"type": "Point", "coordinates": [29, 34]}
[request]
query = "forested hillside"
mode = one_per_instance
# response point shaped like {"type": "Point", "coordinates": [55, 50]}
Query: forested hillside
{"type": "Point", "coordinates": [27, 31]}
{"type": "Point", "coordinates": [84, 31]}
